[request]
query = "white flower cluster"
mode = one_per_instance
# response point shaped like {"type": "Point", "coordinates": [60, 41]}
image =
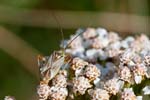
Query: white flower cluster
{"type": "Point", "coordinates": [57, 90]}
{"type": "Point", "coordinates": [102, 65]}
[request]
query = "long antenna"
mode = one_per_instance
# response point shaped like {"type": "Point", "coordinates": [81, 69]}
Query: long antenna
{"type": "Point", "coordinates": [78, 34]}
{"type": "Point", "coordinates": [73, 39]}
{"type": "Point", "coordinates": [61, 30]}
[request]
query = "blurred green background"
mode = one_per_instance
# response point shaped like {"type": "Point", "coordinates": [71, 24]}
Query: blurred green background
{"type": "Point", "coordinates": [28, 28]}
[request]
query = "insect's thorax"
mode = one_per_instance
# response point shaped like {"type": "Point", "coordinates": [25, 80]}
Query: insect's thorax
{"type": "Point", "coordinates": [62, 53]}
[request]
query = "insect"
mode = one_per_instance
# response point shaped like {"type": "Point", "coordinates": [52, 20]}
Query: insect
{"type": "Point", "coordinates": [50, 66]}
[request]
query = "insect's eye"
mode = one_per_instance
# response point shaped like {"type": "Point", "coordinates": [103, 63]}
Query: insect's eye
{"type": "Point", "coordinates": [43, 61]}
{"type": "Point", "coordinates": [61, 56]}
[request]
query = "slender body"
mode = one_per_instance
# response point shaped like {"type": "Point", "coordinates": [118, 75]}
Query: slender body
{"type": "Point", "coordinates": [50, 66]}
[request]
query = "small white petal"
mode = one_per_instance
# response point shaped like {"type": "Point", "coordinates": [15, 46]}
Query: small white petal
{"type": "Point", "coordinates": [102, 32]}
{"type": "Point", "coordinates": [126, 43]}
{"type": "Point", "coordinates": [91, 53]}
{"type": "Point", "coordinates": [146, 90]}
{"type": "Point", "coordinates": [116, 45]}
{"type": "Point", "coordinates": [102, 55]}
{"type": "Point", "coordinates": [97, 82]}
{"type": "Point", "coordinates": [130, 39]}
{"type": "Point", "coordinates": [78, 72]}
{"type": "Point", "coordinates": [120, 84]}
{"type": "Point", "coordinates": [104, 41]}
{"type": "Point", "coordinates": [137, 79]}
{"type": "Point", "coordinates": [139, 97]}
{"type": "Point", "coordinates": [148, 72]}
{"type": "Point", "coordinates": [131, 63]}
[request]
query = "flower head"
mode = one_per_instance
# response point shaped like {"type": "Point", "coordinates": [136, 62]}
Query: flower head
{"type": "Point", "coordinates": [97, 44]}
{"type": "Point", "coordinates": [98, 94]}
{"type": "Point", "coordinates": [78, 63]}
{"type": "Point", "coordinates": [128, 94]}
{"type": "Point", "coordinates": [113, 37]}
{"type": "Point", "coordinates": [80, 85]}
{"type": "Point", "coordinates": [139, 71]}
{"type": "Point", "coordinates": [57, 93]}
{"type": "Point", "coordinates": [125, 74]}
{"type": "Point", "coordinates": [76, 43]}
{"type": "Point", "coordinates": [92, 72]}
{"type": "Point", "coordinates": [43, 91]}
{"type": "Point", "coordinates": [113, 85]}
{"type": "Point", "coordinates": [89, 33]}
{"type": "Point", "coordinates": [60, 80]}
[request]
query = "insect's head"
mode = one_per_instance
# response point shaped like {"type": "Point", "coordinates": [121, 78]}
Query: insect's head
{"type": "Point", "coordinates": [41, 61]}
{"type": "Point", "coordinates": [59, 54]}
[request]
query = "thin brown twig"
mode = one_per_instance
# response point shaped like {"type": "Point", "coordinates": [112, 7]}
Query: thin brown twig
{"type": "Point", "coordinates": [76, 19]}
{"type": "Point", "coordinates": [19, 50]}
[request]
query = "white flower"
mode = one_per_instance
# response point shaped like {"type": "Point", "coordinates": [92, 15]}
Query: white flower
{"type": "Point", "coordinates": [113, 52]}
{"type": "Point", "coordinates": [139, 71]}
{"type": "Point", "coordinates": [137, 79]}
{"type": "Point", "coordinates": [78, 63]}
{"type": "Point", "coordinates": [43, 91]}
{"type": "Point", "coordinates": [91, 53]}
{"type": "Point", "coordinates": [76, 52]}
{"type": "Point", "coordinates": [97, 43]}
{"type": "Point", "coordinates": [76, 43]}
{"type": "Point", "coordinates": [127, 41]}
{"type": "Point", "coordinates": [146, 90]}
{"type": "Point", "coordinates": [98, 94]}
{"type": "Point", "coordinates": [59, 80]}
{"type": "Point", "coordinates": [57, 93]}
{"type": "Point", "coordinates": [137, 59]}
{"type": "Point", "coordinates": [102, 32]}
{"type": "Point", "coordinates": [104, 41]}
{"type": "Point", "coordinates": [92, 72]}
{"type": "Point", "coordinates": [113, 85]}
{"type": "Point", "coordinates": [80, 85]}
{"type": "Point", "coordinates": [89, 33]}
{"type": "Point", "coordinates": [97, 82]}
{"type": "Point", "coordinates": [115, 45]}
{"type": "Point", "coordinates": [124, 63]}
{"type": "Point", "coordinates": [126, 56]}
{"type": "Point", "coordinates": [139, 97]}
{"type": "Point", "coordinates": [125, 74]}
{"type": "Point", "coordinates": [128, 94]}
{"type": "Point", "coordinates": [113, 37]}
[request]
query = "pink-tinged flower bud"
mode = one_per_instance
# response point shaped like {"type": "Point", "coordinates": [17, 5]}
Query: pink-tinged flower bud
{"type": "Point", "coordinates": [43, 91]}
{"type": "Point", "coordinates": [128, 94]}
{"type": "Point", "coordinates": [80, 85]}
{"type": "Point", "coordinates": [98, 94]}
